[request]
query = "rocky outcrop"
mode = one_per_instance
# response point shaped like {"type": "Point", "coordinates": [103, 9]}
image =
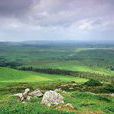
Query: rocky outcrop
{"type": "Point", "coordinates": [51, 98]}
{"type": "Point", "coordinates": [27, 95]}
{"type": "Point", "coordinates": [23, 96]}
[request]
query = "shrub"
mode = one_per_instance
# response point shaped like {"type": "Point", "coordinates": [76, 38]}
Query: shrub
{"type": "Point", "coordinates": [92, 82]}
{"type": "Point", "coordinates": [109, 88]}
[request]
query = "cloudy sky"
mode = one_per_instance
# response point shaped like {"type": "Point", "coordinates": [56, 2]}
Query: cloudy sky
{"type": "Point", "coordinates": [56, 20]}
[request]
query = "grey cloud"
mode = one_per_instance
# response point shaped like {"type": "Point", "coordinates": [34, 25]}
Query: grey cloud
{"type": "Point", "coordinates": [14, 7]}
{"type": "Point", "coordinates": [66, 12]}
{"type": "Point", "coordinates": [55, 12]}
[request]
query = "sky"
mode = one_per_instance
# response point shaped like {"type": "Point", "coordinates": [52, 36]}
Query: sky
{"type": "Point", "coordinates": [81, 20]}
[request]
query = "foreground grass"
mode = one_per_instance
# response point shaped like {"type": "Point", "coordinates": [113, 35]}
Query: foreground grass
{"type": "Point", "coordinates": [14, 81]}
{"type": "Point", "coordinates": [87, 102]}
{"type": "Point", "coordinates": [84, 103]}
{"type": "Point", "coordinates": [11, 106]}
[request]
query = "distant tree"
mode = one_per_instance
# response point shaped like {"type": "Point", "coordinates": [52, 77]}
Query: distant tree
{"type": "Point", "coordinates": [5, 63]}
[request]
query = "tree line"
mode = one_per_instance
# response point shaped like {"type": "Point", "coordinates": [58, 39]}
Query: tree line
{"type": "Point", "coordinates": [87, 75]}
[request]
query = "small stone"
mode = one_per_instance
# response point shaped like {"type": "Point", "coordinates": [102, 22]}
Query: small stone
{"type": "Point", "coordinates": [69, 105]}
{"type": "Point", "coordinates": [23, 96]}
{"type": "Point", "coordinates": [112, 95]}
{"type": "Point", "coordinates": [66, 107]}
{"type": "Point", "coordinates": [71, 88]}
{"type": "Point", "coordinates": [36, 93]}
{"type": "Point", "coordinates": [28, 98]}
{"type": "Point", "coordinates": [27, 90]}
{"type": "Point", "coordinates": [20, 95]}
{"type": "Point", "coordinates": [58, 90]}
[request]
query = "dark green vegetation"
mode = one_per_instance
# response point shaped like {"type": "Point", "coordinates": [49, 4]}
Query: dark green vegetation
{"type": "Point", "coordinates": [81, 69]}
{"type": "Point", "coordinates": [93, 83]}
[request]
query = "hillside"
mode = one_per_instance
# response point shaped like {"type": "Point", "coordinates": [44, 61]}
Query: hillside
{"type": "Point", "coordinates": [13, 81]}
{"type": "Point", "coordinates": [85, 74]}
{"type": "Point", "coordinates": [11, 75]}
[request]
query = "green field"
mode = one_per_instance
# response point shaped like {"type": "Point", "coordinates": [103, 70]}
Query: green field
{"type": "Point", "coordinates": [10, 75]}
{"type": "Point", "coordinates": [94, 60]}
{"type": "Point", "coordinates": [76, 57]}
{"type": "Point", "coordinates": [13, 81]}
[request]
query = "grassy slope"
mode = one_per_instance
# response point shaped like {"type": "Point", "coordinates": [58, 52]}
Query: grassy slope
{"type": "Point", "coordinates": [13, 81]}
{"type": "Point", "coordinates": [72, 66]}
{"type": "Point", "coordinates": [11, 75]}
{"type": "Point", "coordinates": [83, 102]}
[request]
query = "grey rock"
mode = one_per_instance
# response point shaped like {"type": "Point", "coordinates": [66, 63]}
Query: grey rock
{"type": "Point", "coordinates": [51, 98]}
{"type": "Point", "coordinates": [26, 95]}
{"type": "Point", "coordinates": [36, 93]}
{"type": "Point", "coordinates": [23, 96]}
